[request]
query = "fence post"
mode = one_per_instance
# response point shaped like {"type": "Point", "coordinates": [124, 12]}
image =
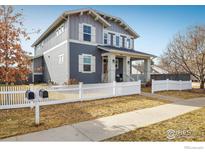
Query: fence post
{"type": "Point", "coordinates": [114, 88]}
{"type": "Point", "coordinates": [37, 113]}
{"type": "Point", "coordinates": [80, 91]}
{"type": "Point", "coordinates": [167, 84]}
{"type": "Point", "coordinates": [139, 86]}
{"type": "Point", "coordinates": [152, 86]}
{"type": "Point", "coordinates": [37, 108]}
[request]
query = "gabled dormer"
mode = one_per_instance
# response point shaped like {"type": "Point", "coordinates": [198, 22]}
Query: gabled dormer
{"type": "Point", "coordinates": [119, 34]}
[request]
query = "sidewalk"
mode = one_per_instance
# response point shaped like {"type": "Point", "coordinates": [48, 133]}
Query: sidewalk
{"type": "Point", "coordinates": [103, 128]}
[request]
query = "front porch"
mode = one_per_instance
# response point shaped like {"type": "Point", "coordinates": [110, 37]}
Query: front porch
{"type": "Point", "coordinates": [118, 67]}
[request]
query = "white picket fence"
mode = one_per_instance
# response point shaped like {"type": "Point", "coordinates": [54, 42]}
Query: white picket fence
{"type": "Point", "coordinates": [14, 96]}
{"type": "Point", "coordinates": [161, 85]}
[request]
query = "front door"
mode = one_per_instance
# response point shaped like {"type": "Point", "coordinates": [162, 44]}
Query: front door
{"type": "Point", "coordinates": [105, 69]}
{"type": "Point", "coordinates": [119, 69]}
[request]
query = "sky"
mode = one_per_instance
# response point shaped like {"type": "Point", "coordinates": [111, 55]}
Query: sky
{"type": "Point", "coordinates": [156, 25]}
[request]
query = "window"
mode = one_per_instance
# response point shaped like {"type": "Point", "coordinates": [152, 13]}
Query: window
{"type": "Point", "coordinates": [87, 63]}
{"type": "Point", "coordinates": [60, 30]}
{"type": "Point", "coordinates": [87, 33]}
{"type": "Point", "coordinates": [128, 43]}
{"type": "Point", "coordinates": [105, 38]}
{"type": "Point", "coordinates": [60, 59]}
{"type": "Point", "coordinates": [117, 41]}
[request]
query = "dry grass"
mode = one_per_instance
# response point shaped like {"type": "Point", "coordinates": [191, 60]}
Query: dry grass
{"type": "Point", "coordinates": [21, 121]}
{"type": "Point", "coordinates": [146, 89]}
{"type": "Point", "coordinates": [187, 127]}
{"type": "Point", "coordinates": [186, 94]}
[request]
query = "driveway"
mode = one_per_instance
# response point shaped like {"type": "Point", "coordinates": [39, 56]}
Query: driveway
{"type": "Point", "coordinates": [103, 128]}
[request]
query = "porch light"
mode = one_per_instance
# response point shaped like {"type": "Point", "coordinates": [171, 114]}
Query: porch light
{"type": "Point", "coordinates": [128, 62]}
{"type": "Point", "coordinates": [113, 60]}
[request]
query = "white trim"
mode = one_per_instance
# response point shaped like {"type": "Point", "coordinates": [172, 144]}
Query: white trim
{"type": "Point", "coordinates": [86, 24]}
{"type": "Point", "coordinates": [58, 45]}
{"type": "Point", "coordinates": [84, 42]}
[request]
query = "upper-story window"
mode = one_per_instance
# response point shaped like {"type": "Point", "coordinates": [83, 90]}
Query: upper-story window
{"type": "Point", "coordinates": [60, 30]}
{"type": "Point", "coordinates": [128, 43]}
{"type": "Point", "coordinates": [117, 40]}
{"type": "Point", "coordinates": [87, 33]}
{"type": "Point", "coordinates": [105, 38]}
{"type": "Point", "coordinates": [60, 59]}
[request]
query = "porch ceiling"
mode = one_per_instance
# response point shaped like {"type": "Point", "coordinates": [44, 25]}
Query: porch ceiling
{"type": "Point", "coordinates": [125, 52]}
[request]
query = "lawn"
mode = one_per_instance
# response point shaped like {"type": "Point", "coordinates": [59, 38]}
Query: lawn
{"type": "Point", "coordinates": [185, 94]}
{"type": "Point", "coordinates": [187, 127]}
{"type": "Point", "coordinates": [21, 121]}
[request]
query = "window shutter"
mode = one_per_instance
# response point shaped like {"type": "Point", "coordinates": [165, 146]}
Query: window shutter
{"type": "Point", "coordinates": [114, 40]}
{"type": "Point", "coordinates": [121, 41]}
{"type": "Point", "coordinates": [93, 34]}
{"type": "Point", "coordinates": [131, 42]}
{"type": "Point", "coordinates": [93, 63]}
{"type": "Point", "coordinates": [125, 43]}
{"type": "Point", "coordinates": [80, 63]}
{"type": "Point", "coordinates": [81, 32]}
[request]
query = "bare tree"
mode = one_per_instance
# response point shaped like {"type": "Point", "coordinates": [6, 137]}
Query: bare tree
{"type": "Point", "coordinates": [186, 53]}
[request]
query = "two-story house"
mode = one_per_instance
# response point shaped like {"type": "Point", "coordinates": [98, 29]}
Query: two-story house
{"type": "Point", "coordinates": [89, 46]}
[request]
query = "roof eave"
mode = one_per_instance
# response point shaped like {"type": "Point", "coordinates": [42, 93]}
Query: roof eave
{"type": "Point", "coordinates": [135, 34]}
{"type": "Point", "coordinates": [127, 52]}
{"type": "Point", "coordinates": [62, 17]}
{"type": "Point", "coordinates": [55, 23]}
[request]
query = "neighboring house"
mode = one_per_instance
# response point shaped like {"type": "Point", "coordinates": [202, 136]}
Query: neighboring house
{"type": "Point", "coordinates": [157, 70]}
{"type": "Point", "coordinates": [139, 69]}
{"type": "Point", "coordinates": [89, 46]}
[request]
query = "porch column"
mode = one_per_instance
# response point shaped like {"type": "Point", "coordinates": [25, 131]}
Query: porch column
{"type": "Point", "coordinates": [126, 68]}
{"type": "Point", "coordinates": [111, 68]}
{"type": "Point", "coordinates": [147, 69]}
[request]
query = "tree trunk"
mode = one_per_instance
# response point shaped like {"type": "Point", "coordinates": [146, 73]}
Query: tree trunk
{"type": "Point", "coordinates": [202, 84]}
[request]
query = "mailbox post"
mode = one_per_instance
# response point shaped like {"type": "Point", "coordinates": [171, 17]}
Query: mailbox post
{"type": "Point", "coordinates": [33, 97]}
{"type": "Point", "coordinates": [37, 112]}
{"type": "Point", "coordinates": [36, 97]}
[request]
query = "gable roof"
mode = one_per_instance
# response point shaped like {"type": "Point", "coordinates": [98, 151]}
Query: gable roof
{"type": "Point", "coordinates": [120, 21]}
{"type": "Point", "coordinates": [64, 16]}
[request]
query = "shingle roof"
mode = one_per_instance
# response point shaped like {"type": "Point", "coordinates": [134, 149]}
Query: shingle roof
{"type": "Point", "coordinates": [107, 47]}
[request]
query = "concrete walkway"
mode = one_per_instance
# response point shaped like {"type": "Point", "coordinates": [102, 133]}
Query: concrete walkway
{"type": "Point", "coordinates": [103, 128]}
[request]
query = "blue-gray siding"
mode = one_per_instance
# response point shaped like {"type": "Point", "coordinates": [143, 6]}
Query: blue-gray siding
{"type": "Point", "coordinates": [77, 49]}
